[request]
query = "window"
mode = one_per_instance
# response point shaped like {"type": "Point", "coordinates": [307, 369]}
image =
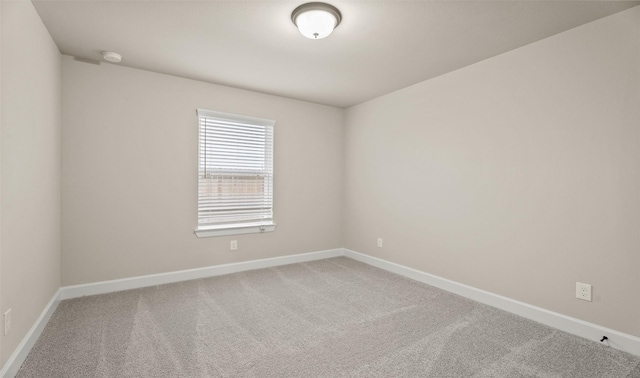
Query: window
{"type": "Point", "coordinates": [235, 174]}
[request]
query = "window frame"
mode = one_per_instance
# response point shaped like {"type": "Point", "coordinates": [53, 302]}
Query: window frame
{"type": "Point", "coordinates": [223, 229]}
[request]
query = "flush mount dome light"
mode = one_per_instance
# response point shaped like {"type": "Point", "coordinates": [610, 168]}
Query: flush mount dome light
{"type": "Point", "coordinates": [111, 56]}
{"type": "Point", "coordinates": [316, 20]}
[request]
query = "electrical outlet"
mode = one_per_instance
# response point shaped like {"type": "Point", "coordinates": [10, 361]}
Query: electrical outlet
{"type": "Point", "coordinates": [583, 291]}
{"type": "Point", "coordinates": [379, 242]}
{"type": "Point", "coordinates": [234, 245]}
{"type": "Point", "coordinates": [7, 322]}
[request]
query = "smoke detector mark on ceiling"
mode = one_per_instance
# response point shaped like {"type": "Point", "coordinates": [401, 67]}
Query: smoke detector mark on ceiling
{"type": "Point", "coordinates": [83, 60]}
{"type": "Point", "coordinates": [111, 57]}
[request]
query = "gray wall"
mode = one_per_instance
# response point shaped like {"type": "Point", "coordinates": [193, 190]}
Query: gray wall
{"type": "Point", "coordinates": [130, 175]}
{"type": "Point", "coordinates": [519, 175]}
{"type": "Point", "coordinates": [31, 126]}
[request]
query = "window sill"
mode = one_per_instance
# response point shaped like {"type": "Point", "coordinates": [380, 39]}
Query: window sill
{"type": "Point", "coordinates": [236, 229]}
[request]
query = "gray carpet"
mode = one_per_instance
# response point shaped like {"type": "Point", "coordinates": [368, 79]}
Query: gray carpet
{"type": "Point", "coordinates": [328, 318]}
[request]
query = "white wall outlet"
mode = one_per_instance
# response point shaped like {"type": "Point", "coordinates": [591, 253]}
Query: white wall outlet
{"type": "Point", "coordinates": [583, 291]}
{"type": "Point", "coordinates": [379, 242]}
{"type": "Point", "coordinates": [234, 245]}
{"type": "Point", "coordinates": [7, 322]}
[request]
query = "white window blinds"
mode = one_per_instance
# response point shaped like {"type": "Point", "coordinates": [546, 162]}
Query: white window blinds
{"type": "Point", "coordinates": [235, 171]}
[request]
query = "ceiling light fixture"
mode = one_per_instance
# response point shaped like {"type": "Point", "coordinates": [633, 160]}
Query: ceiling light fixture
{"type": "Point", "coordinates": [316, 20]}
{"type": "Point", "coordinates": [111, 56]}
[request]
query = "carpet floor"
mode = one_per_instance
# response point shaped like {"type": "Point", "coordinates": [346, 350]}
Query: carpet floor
{"type": "Point", "coordinates": [329, 318]}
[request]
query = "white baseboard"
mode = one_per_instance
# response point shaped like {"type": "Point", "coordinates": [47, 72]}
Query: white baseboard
{"type": "Point", "coordinates": [103, 287]}
{"type": "Point", "coordinates": [14, 362]}
{"type": "Point", "coordinates": [618, 340]}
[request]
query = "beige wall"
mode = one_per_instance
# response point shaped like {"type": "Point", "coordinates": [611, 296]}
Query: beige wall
{"type": "Point", "coordinates": [31, 126]}
{"type": "Point", "coordinates": [519, 175]}
{"type": "Point", "coordinates": [130, 175]}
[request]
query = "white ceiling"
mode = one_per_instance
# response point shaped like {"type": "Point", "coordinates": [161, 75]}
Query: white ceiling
{"type": "Point", "coordinates": [379, 47]}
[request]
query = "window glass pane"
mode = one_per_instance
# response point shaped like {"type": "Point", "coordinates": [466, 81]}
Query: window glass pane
{"type": "Point", "coordinates": [235, 170]}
